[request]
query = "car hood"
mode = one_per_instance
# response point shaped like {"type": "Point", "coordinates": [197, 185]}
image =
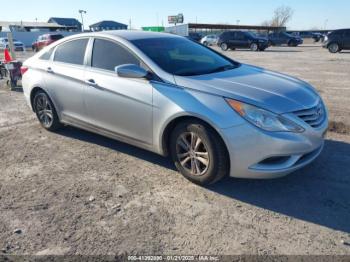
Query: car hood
{"type": "Point", "coordinates": [270, 90]}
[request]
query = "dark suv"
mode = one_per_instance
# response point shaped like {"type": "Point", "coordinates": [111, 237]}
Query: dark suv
{"type": "Point", "coordinates": [240, 39]}
{"type": "Point", "coordinates": [282, 38]}
{"type": "Point", "coordinates": [194, 36]}
{"type": "Point", "coordinates": [337, 40]}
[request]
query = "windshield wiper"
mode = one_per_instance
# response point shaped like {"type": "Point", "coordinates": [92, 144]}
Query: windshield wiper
{"type": "Point", "coordinates": [222, 68]}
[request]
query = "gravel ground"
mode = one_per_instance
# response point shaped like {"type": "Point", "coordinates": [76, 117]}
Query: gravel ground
{"type": "Point", "coordinates": [73, 192]}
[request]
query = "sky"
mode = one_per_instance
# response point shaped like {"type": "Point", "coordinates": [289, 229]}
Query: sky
{"type": "Point", "coordinates": [308, 14]}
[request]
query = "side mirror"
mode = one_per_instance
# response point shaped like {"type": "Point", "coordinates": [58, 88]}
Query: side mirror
{"type": "Point", "coordinates": [131, 71]}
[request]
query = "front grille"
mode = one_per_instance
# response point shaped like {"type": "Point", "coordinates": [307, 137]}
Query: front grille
{"type": "Point", "coordinates": [314, 116]}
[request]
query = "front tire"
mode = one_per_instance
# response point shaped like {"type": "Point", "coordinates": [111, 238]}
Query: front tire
{"type": "Point", "coordinates": [224, 47]}
{"type": "Point", "coordinates": [199, 153]}
{"type": "Point", "coordinates": [45, 111]}
{"type": "Point", "coordinates": [333, 48]}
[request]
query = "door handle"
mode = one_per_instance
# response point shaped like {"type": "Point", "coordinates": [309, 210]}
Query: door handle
{"type": "Point", "coordinates": [91, 82]}
{"type": "Point", "coordinates": [49, 70]}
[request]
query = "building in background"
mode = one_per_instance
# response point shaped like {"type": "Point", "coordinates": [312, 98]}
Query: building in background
{"type": "Point", "coordinates": [154, 28]}
{"type": "Point", "coordinates": [72, 23]}
{"type": "Point", "coordinates": [8, 26]}
{"type": "Point", "coordinates": [206, 29]}
{"type": "Point", "coordinates": [107, 25]}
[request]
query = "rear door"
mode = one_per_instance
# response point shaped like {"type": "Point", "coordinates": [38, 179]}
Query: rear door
{"type": "Point", "coordinates": [346, 39]}
{"type": "Point", "coordinates": [65, 78]}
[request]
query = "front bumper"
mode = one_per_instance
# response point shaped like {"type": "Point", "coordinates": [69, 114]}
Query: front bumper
{"type": "Point", "coordinates": [263, 45]}
{"type": "Point", "coordinates": [257, 154]}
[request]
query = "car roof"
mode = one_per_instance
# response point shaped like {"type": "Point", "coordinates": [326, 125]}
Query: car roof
{"type": "Point", "coordinates": [133, 35]}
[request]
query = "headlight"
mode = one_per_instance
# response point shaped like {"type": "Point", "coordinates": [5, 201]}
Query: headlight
{"type": "Point", "coordinates": [264, 119]}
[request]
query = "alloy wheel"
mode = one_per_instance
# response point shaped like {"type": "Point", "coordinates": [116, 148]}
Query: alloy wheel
{"type": "Point", "coordinates": [334, 48]}
{"type": "Point", "coordinates": [192, 153]}
{"type": "Point", "coordinates": [224, 47]}
{"type": "Point", "coordinates": [44, 110]}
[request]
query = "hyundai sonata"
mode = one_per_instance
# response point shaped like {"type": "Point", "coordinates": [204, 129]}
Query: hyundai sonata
{"type": "Point", "coordinates": [167, 94]}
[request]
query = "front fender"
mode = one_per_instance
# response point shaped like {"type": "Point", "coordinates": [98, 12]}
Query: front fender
{"type": "Point", "coordinates": [171, 102]}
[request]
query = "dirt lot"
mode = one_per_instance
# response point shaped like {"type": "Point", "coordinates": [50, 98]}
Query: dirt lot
{"type": "Point", "coordinates": [74, 192]}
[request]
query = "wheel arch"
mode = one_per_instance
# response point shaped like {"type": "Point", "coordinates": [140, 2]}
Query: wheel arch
{"type": "Point", "coordinates": [36, 89]}
{"type": "Point", "coordinates": [165, 138]}
{"type": "Point", "coordinates": [334, 42]}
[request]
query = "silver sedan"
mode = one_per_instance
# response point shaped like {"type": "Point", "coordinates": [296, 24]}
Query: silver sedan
{"type": "Point", "coordinates": [164, 93]}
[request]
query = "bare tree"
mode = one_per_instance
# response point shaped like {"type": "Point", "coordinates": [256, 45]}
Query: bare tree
{"type": "Point", "coordinates": [282, 15]}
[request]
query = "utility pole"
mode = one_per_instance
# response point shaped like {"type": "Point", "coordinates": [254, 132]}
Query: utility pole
{"type": "Point", "coordinates": [325, 24]}
{"type": "Point", "coordinates": [82, 19]}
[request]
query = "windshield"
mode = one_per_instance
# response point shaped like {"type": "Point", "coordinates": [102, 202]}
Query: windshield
{"type": "Point", "coordinates": [6, 40]}
{"type": "Point", "coordinates": [179, 56]}
{"type": "Point", "coordinates": [251, 34]}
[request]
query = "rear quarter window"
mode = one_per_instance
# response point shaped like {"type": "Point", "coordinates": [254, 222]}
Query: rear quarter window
{"type": "Point", "coordinates": [72, 52]}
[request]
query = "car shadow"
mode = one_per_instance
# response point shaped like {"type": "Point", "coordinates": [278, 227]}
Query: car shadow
{"type": "Point", "coordinates": [17, 89]}
{"type": "Point", "coordinates": [269, 51]}
{"type": "Point", "coordinates": [283, 51]}
{"type": "Point", "coordinates": [106, 142]}
{"type": "Point", "coordinates": [319, 193]}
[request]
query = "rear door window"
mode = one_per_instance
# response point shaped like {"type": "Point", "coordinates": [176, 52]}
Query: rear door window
{"type": "Point", "coordinates": [72, 52]}
{"type": "Point", "coordinates": [240, 36]}
{"type": "Point", "coordinates": [107, 55]}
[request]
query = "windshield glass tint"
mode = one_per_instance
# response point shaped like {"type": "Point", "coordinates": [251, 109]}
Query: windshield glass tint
{"type": "Point", "coordinates": [183, 57]}
{"type": "Point", "coordinates": [251, 34]}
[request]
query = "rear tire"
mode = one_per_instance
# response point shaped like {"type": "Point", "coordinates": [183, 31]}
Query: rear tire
{"type": "Point", "coordinates": [45, 111]}
{"type": "Point", "coordinates": [254, 47]}
{"type": "Point", "coordinates": [333, 48]}
{"type": "Point", "coordinates": [224, 47]}
{"type": "Point", "coordinates": [198, 152]}
{"type": "Point", "coordinates": [292, 43]}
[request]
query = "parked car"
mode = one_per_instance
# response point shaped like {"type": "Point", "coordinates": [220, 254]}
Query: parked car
{"type": "Point", "coordinates": [337, 40]}
{"type": "Point", "coordinates": [18, 45]}
{"type": "Point", "coordinates": [45, 40]}
{"type": "Point", "coordinates": [240, 39]}
{"type": "Point", "coordinates": [209, 40]}
{"type": "Point", "coordinates": [164, 93]}
{"type": "Point", "coordinates": [318, 37]}
{"type": "Point", "coordinates": [194, 36]}
{"type": "Point", "coordinates": [282, 38]}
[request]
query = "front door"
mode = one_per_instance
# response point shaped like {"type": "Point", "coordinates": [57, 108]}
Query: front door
{"type": "Point", "coordinates": [115, 104]}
